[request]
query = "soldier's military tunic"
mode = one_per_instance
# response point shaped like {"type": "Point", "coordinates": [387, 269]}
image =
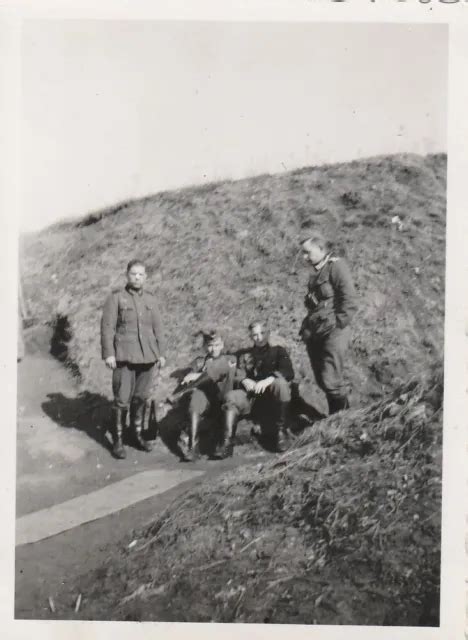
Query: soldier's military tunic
{"type": "Point", "coordinates": [331, 304]}
{"type": "Point", "coordinates": [217, 380]}
{"type": "Point", "coordinates": [131, 330]}
{"type": "Point", "coordinates": [257, 364]}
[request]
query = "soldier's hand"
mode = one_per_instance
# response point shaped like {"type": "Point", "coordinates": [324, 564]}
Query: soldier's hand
{"type": "Point", "coordinates": [111, 362]}
{"type": "Point", "coordinates": [162, 362]}
{"type": "Point", "coordinates": [262, 385]}
{"type": "Point", "coordinates": [191, 377]}
{"type": "Point", "coordinates": [248, 384]}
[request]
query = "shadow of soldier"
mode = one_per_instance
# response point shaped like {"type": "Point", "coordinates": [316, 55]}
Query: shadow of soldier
{"type": "Point", "coordinates": [87, 412]}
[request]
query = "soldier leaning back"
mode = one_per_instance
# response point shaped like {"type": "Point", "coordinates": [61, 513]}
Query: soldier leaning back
{"type": "Point", "coordinates": [213, 377]}
{"type": "Point", "coordinates": [132, 342]}
{"type": "Point", "coordinates": [331, 304]}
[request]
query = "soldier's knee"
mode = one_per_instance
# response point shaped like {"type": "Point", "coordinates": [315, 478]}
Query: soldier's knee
{"type": "Point", "coordinates": [235, 400]}
{"type": "Point", "coordinates": [198, 402]}
{"type": "Point", "coordinates": [281, 389]}
{"type": "Point", "coordinates": [331, 381]}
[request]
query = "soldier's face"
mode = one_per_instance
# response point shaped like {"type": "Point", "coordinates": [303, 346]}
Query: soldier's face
{"type": "Point", "coordinates": [312, 252]}
{"type": "Point", "coordinates": [136, 276]}
{"type": "Point", "coordinates": [215, 348]}
{"type": "Point", "coordinates": [259, 335]}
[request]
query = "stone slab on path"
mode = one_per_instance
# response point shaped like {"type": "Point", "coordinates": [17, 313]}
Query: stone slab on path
{"type": "Point", "coordinates": [98, 504]}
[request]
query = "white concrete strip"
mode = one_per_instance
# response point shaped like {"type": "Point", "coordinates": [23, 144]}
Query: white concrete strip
{"type": "Point", "coordinates": [98, 504]}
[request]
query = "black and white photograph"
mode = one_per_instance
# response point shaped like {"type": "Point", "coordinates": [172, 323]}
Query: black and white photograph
{"type": "Point", "coordinates": [231, 309]}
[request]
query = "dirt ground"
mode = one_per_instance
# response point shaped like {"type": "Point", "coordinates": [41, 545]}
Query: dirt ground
{"type": "Point", "coordinates": [62, 454]}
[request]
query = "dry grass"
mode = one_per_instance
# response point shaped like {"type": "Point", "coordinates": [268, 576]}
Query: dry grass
{"type": "Point", "coordinates": [221, 254]}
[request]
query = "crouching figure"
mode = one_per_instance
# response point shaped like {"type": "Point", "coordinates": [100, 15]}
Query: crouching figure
{"type": "Point", "coordinates": [263, 387]}
{"type": "Point", "coordinates": [212, 378]}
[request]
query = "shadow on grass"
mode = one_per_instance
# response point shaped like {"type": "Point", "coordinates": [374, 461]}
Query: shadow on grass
{"type": "Point", "coordinates": [87, 412]}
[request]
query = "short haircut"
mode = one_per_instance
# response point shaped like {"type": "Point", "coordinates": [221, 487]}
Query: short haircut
{"type": "Point", "coordinates": [136, 262]}
{"type": "Point", "coordinates": [258, 323]}
{"type": "Point", "coordinates": [211, 336]}
{"type": "Point", "coordinates": [318, 239]}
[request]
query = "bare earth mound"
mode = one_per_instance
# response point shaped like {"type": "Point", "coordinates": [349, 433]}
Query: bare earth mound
{"type": "Point", "coordinates": [342, 529]}
{"type": "Point", "coordinates": [221, 254]}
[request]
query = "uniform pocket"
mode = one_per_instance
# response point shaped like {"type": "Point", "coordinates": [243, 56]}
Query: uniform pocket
{"type": "Point", "coordinates": [126, 313]}
{"type": "Point", "coordinates": [325, 291]}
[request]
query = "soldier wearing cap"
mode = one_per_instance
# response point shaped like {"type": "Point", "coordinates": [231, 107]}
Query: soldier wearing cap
{"type": "Point", "coordinates": [132, 343]}
{"type": "Point", "coordinates": [263, 383]}
{"type": "Point", "coordinates": [331, 304]}
{"type": "Point", "coordinates": [213, 377]}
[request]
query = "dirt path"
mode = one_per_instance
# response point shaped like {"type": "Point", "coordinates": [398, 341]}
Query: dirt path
{"type": "Point", "coordinates": [70, 490]}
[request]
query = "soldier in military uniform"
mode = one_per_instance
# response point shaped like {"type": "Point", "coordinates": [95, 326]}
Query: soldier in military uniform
{"type": "Point", "coordinates": [263, 379]}
{"type": "Point", "coordinates": [331, 304]}
{"type": "Point", "coordinates": [213, 377]}
{"type": "Point", "coordinates": [132, 343]}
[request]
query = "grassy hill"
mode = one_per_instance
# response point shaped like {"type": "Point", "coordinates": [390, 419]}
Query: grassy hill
{"type": "Point", "coordinates": [222, 254]}
{"type": "Point", "coordinates": [344, 528]}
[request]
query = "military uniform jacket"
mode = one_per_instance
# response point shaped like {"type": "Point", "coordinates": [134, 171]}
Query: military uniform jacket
{"type": "Point", "coordinates": [219, 372]}
{"type": "Point", "coordinates": [131, 328]}
{"type": "Point", "coordinates": [259, 363]}
{"type": "Point", "coordinates": [330, 300]}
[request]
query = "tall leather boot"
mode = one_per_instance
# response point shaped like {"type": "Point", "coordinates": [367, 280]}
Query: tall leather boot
{"type": "Point", "coordinates": [226, 447]}
{"type": "Point", "coordinates": [282, 433]}
{"type": "Point", "coordinates": [337, 403]}
{"type": "Point", "coordinates": [137, 416]}
{"type": "Point", "coordinates": [118, 422]}
{"type": "Point", "coordinates": [193, 451]}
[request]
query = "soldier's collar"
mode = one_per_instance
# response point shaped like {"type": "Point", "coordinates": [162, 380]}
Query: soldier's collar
{"type": "Point", "coordinates": [322, 262]}
{"type": "Point", "coordinates": [134, 292]}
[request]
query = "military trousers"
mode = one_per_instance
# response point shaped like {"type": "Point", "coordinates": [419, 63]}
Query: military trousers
{"type": "Point", "coordinates": [248, 403]}
{"type": "Point", "coordinates": [202, 401]}
{"type": "Point", "coordinates": [132, 381]}
{"type": "Point", "coordinates": [327, 355]}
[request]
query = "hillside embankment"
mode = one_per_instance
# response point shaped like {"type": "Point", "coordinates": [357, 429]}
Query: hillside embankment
{"type": "Point", "coordinates": [345, 527]}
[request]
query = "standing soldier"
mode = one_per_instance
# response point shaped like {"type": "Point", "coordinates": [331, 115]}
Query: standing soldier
{"type": "Point", "coordinates": [264, 376]}
{"type": "Point", "coordinates": [213, 377]}
{"type": "Point", "coordinates": [330, 303]}
{"type": "Point", "coordinates": [132, 342]}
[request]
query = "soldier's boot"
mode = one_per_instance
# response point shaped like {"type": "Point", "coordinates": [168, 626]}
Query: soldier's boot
{"type": "Point", "coordinates": [137, 417]}
{"type": "Point", "coordinates": [226, 446]}
{"type": "Point", "coordinates": [337, 403]}
{"type": "Point", "coordinates": [282, 433]}
{"type": "Point", "coordinates": [193, 451]}
{"type": "Point", "coordinates": [118, 422]}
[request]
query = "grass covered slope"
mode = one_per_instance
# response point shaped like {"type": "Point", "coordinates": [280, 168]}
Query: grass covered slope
{"type": "Point", "coordinates": [221, 254]}
{"type": "Point", "coordinates": [342, 529]}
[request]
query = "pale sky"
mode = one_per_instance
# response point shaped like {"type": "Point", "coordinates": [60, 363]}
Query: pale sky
{"type": "Point", "coordinates": [116, 110]}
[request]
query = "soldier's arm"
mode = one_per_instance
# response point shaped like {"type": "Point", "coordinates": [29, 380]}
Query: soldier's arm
{"type": "Point", "coordinates": [345, 293]}
{"type": "Point", "coordinates": [109, 325]}
{"type": "Point", "coordinates": [284, 368]}
{"type": "Point", "coordinates": [158, 330]}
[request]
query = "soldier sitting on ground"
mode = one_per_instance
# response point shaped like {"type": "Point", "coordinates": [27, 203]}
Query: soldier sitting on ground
{"type": "Point", "coordinates": [213, 377]}
{"type": "Point", "coordinates": [264, 376]}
